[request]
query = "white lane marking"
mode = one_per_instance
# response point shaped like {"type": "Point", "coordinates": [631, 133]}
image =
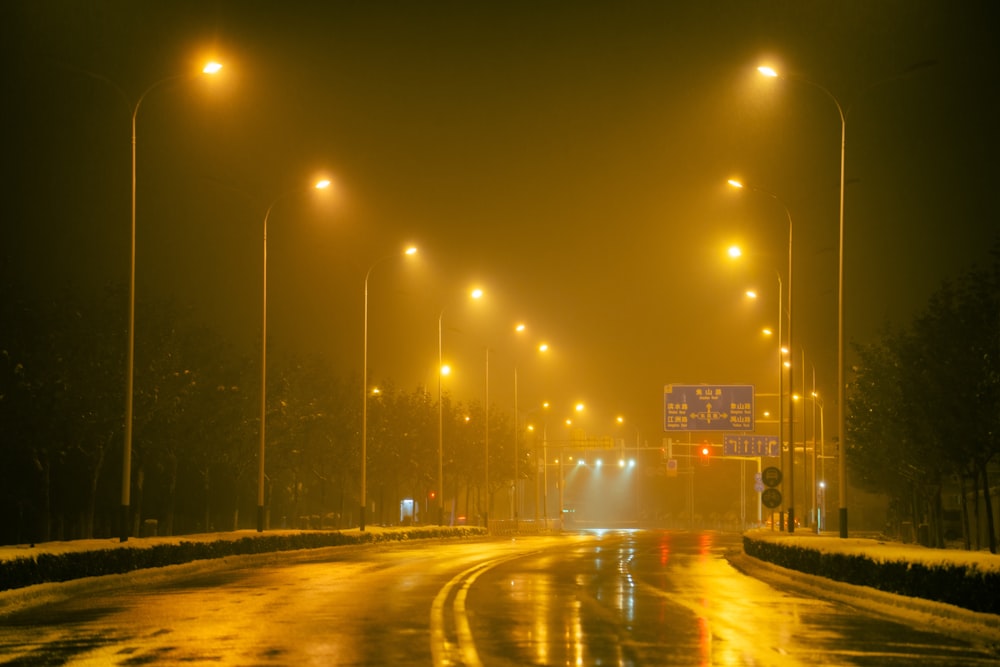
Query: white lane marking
{"type": "Point", "coordinates": [443, 652]}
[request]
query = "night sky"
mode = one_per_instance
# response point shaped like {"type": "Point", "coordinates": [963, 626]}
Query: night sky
{"type": "Point", "coordinates": [570, 158]}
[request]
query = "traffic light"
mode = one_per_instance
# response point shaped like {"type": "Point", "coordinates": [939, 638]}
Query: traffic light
{"type": "Point", "coordinates": [705, 454]}
{"type": "Point", "coordinates": [431, 495]}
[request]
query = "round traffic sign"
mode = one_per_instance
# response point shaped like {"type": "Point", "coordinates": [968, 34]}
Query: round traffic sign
{"type": "Point", "coordinates": [771, 498]}
{"type": "Point", "coordinates": [771, 476]}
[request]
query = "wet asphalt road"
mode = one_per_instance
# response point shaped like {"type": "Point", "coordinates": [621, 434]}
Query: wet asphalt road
{"type": "Point", "coordinates": [607, 598]}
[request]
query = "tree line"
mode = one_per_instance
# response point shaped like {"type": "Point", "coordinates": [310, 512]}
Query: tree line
{"type": "Point", "coordinates": [924, 412]}
{"type": "Point", "coordinates": [196, 431]}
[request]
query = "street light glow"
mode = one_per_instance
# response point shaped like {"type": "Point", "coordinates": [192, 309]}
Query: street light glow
{"type": "Point", "coordinates": [323, 184]}
{"type": "Point", "coordinates": [734, 251]}
{"type": "Point", "coordinates": [477, 293]}
{"type": "Point", "coordinates": [544, 347]}
{"type": "Point", "coordinates": [735, 183]}
{"type": "Point", "coordinates": [364, 378]}
{"type": "Point", "coordinates": [767, 71]}
{"type": "Point", "coordinates": [211, 67]}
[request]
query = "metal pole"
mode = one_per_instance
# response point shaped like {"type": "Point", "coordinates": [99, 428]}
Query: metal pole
{"type": "Point", "coordinates": [841, 423]}
{"type": "Point", "coordinates": [364, 413]}
{"type": "Point", "coordinates": [790, 502]}
{"type": "Point", "coordinates": [261, 514]}
{"type": "Point", "coordinates": [126, 497]}
{"type": "Point", "coordinates": [516, 471]}
{"type": "Point", "coordinates": [440, 430]}
{"type": "Point", "coordinates": [263, 385]}
{"type": "Point", "coordinates": [486, 445]}
{"type": "Point", "coordinates": [364, 392]}
{"type": "Point", "coordinates": [545, 473]}
{"type": "Point", "coordinates": [781, 392]}
{"type": "Point", "coordinates": [791, 389]}
{"type": "Point", "coordinates": [841, 407]}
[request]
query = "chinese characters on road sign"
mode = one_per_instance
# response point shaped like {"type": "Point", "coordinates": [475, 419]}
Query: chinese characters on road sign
{"type": "Point", "coordinates": [708, 407]}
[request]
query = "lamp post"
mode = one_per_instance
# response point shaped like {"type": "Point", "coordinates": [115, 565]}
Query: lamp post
{"type": "Point", "coordinates": [210, 68]}
{"type": "Point", "coordinates": [364, 390]}
{"type": "Point", "coordinates": [841, 408]}
{"type": "Point", "coordinates": [545, 467]}
{"type": "Point", "coordinates": [519, 328]}
{"type": "Point", "coordinates": [768, 72]}
{"type": "Point", "coordinates": [579, 407]}
{"type": "Point", "coordinates": [543, 347]}
{"type": "Point", "coordinates": [821, 484]}
{"type": "Point", "coordinates": [443, 370]}
{"type": "Point", "coordinates": [320, 185]}
{"type": "Point", "coordinates": [791, 377]}
{"type": "Point", "coordinates": [817, 402]}
{"type": "Point", "coordinates": [781, 363]}
{"type": "Point", "coordinates": [486, 446]}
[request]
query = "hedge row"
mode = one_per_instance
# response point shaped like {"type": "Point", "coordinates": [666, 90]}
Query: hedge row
{"type": "Point", "coordinates": [47, 567]}
{"type": "Point", "coordinates": [956, 584]}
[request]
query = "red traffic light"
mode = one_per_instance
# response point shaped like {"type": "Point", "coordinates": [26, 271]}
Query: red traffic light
{"type": "Point", "coordinates": [432, 494]}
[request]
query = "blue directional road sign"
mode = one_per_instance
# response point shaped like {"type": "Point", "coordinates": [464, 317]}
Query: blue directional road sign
{"type": "Point", "coordinates": [703, 407]}
{"type": "Point", "coordinates": [750, 445]}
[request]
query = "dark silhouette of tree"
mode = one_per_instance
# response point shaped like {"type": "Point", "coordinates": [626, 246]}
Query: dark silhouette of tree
{"type": "Point", "coordinates": [925, 403]}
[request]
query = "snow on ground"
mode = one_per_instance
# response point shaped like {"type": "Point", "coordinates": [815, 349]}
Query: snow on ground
{"type": "Point", "coordinates": [913, 612]}
{"type": "Point", "coordinates": [882, 551]}
{"type": "Point", "coordinates": [70, 546]}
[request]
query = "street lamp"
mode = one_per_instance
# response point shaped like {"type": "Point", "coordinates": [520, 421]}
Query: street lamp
{"type": "Point", "coordinates": [210, 68]}
{"type": "Point", "coordinates": [817, 402]}
{"type": "Point", "coordinates": [364, 390]}
{"type": "Point", "coordinates": [543, 347]}
{"type": "Point", "coordinates": [319, 185]}
{"type": "Point", "coordinates": [519, 328]}
{"type": "Point", "coordinates": [545, 467]}
{"type": "Point", "coordinates": [821, 486]}
{"type": "Point", "coordinates": [782, 350]}
{"type": "Point", "coordinates": [444, 370]}
{"type": "Point", "coordinates": [841, 408]}
{"type": "Point", "coordinates": [791, 378]}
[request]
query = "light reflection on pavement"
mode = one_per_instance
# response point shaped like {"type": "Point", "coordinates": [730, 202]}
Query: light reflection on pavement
{"type": "Point", "coordinates": [601, 598]}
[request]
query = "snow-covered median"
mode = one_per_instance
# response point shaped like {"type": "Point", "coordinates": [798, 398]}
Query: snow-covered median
{"type": "Point", "coordinates": [31, 565]}
{"type": "Point", "coordinates": [959, 589]}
